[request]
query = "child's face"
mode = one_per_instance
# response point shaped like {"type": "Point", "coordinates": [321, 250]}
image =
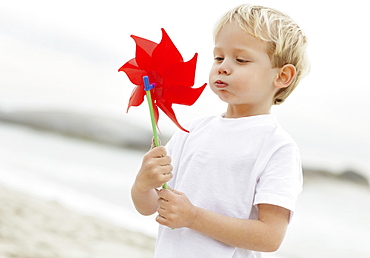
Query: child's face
{"type": "Point", "coordinates": [242, 74]}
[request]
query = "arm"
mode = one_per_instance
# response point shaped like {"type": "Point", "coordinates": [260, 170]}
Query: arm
{"type": "Point", "coordinates": [154, 172]}
{"type": "Point", "coordinates": [265, 234]}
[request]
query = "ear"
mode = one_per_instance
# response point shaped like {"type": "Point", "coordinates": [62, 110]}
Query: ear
{"type": "Point", "coordinates": [285, 76]}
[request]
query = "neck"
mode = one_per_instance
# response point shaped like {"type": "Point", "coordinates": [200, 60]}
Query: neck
{"type": "Point", "coordinates": [237, 111]}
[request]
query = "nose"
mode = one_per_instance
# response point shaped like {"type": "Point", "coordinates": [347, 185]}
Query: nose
{"type": "Point", "coordinates": [224, 68]}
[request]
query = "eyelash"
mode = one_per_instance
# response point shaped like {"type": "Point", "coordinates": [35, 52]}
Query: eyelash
{"type": "Point", "coordinates": [220, 59]}
{"type": "Point", "coordinates": [242, 60]}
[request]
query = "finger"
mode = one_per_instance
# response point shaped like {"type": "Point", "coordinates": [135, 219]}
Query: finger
{"type": "Point", "coordinates": [166, 175]}
{"type": "Point", "coordinates": [170, 189]}
{"type": "Point", "coordinates": [165, 162]}
{"type": "Point", "coordinates": [161, 203]}
{"type": "Point", "coordinates": [164, 194]}
{"type": "Point", "coordinates": [156, 152]}
{"type": "Point", "coordinates": [153, 145]}
{"type": "Point", "coordinates": [164, 159]}
{"type": "Point", "coordinates": [160, 219]}
{"type": "Point", "coordinates": [159, 152]}
{"type": "Point", "coordinates": [173, 191]}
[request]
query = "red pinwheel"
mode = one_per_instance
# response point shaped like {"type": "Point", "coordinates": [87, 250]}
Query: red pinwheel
{"type": "Point", "coordinates": [171, 78]}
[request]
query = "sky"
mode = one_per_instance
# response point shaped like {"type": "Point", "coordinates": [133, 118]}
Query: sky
{"type": "Point", "coordinates": [65, 55]}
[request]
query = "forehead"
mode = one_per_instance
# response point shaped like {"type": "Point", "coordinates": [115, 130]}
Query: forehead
{"type": "Point", "coordinates": [231, 36]}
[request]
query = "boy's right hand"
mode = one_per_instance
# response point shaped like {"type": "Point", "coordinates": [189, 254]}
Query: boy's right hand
{"type": "Point", "coordinates": [155, 169]}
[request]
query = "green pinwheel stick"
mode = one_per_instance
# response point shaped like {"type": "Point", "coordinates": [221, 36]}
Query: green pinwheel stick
{"type": "Point", "coordinates": [147, 88]}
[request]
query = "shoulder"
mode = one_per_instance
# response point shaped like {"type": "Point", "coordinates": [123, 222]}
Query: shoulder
{"type": "Point", "coordinates": [199, 123]}
{"type": "Point", "coordinates": [192, 126]}
{"type": "Point", "coordinates": [280, 136]}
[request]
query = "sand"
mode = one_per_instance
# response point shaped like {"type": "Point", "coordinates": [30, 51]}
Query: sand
{"type": "Point", "coordinates": [35, 228]}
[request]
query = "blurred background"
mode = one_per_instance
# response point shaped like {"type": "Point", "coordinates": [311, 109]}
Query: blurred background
{"type": "Point", "coordinates": [65, 135]}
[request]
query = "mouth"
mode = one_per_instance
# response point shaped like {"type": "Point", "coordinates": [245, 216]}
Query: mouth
{"type": "Point", "coordinates": [220, 84]}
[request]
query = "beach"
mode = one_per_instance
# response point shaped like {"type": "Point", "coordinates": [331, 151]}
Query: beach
{"type": "Point", "coordinates": [67, 197]}
{"type": "Point", "coordinates": [34, 228]}
{"type": "Point", "coordinates": [69, 153]}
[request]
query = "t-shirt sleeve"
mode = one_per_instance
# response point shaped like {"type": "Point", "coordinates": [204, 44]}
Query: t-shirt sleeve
{"type": "Point", "coordinates": [281, 181]}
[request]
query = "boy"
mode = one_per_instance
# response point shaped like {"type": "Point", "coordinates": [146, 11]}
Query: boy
{"type": "Point", "coordinates": [237, 176]}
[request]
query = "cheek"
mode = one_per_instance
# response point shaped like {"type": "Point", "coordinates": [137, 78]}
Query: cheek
{"type": "Point", "coordinates": [211, 78]}
{"type": "Point", "coordinates": [213, 70]}
{"type": "Point", "coordinates": [212, 74]}
{"type": "Point", "coordinates": [244, 78]}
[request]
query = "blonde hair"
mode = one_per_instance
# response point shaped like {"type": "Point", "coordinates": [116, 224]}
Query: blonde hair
{"type": "Point", "coordinates": [285, 39]}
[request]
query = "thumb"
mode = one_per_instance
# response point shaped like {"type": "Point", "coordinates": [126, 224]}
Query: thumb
{"type": "Point", "coordinates": [153, 143]}
{"type": "Point", "coordinates": [174, 191]}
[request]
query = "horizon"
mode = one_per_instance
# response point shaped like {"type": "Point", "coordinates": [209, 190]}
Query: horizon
{"type": "Point", "coordinates": [66, 55]}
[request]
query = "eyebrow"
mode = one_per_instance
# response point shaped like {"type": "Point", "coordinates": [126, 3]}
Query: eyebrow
{"type": "Point", "coordinates": [244, 50]}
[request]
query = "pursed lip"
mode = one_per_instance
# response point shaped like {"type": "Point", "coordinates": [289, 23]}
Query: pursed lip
{"type": "Point", "coordinates": [220, 84]}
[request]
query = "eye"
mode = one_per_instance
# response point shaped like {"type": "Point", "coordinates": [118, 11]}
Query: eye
{"type": "Point", "coordinates": [219, 59]}
{"type": "Point", "coordinates": [239, 60]}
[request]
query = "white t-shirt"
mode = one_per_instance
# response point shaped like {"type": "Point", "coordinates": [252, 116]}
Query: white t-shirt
{"type": "Point", "coordinates": [229, 166]}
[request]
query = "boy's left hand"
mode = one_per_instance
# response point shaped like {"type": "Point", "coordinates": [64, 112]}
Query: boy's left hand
{"type": "Point", "coordinates": [175, 209]}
